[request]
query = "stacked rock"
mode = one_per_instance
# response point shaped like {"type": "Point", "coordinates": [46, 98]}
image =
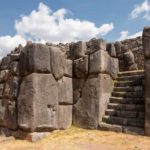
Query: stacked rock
{"type": "Point", "coordinates": [46, 88]}
{"type": "Point", "coordinates": [9, 86]}
{"type": "Point", "coordinates": [94, 70]}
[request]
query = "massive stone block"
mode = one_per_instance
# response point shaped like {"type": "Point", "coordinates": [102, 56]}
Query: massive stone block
{"type": "Point", "coordinates": [146, 48]}
{"type": "Point", "coordinates": [64, 121]}
{"type": "Point", "coordinates": [101, 62]}
{"type": "Point", "coordinates": [5, 62]}
{"type": "Point", "coordinates": [38, 103]}
{"type": "Point", "coordinates": [4, 75]}
{"type": "Point", "coordinates": [78, 49]}
{"type": "Point", "coordinates": [65, 91]}
{"type": "Point", "coordinates": [89, 109]}
{"type": "Point", "coordinates": [78, 84]}
{"type": "Point", "coordinates": [11, 88]}
{"type": "Point", "coordinates": [8, 117]}
{"type": "Point", "coordinates": [94, 45]}
{"type": "Point", "coordinates": [58, 62]}
{"type": "Point", "coordinates": [111, 49]}
{"type": "Point", "coordinates": [81, 67]}
{"type": "Point", "coordinates": [14, 68]}
{"type": "Point", "coordinates": [34, 58]}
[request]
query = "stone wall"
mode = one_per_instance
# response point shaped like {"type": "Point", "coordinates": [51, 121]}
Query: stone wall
{"type": "Point", "coordinates": [94, 71]}
{"type": "Point", "coordinates": [130, 54]}
{"type": "Point", "coordinates": [49, 87]}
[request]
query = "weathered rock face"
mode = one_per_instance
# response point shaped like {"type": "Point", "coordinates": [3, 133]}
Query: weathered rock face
{"type": "Point", "coordinates": [101, 62]}
{"type": "Point", "coordinates": [146, 39]}
{"type": "Point", "coordinates": [58, 62]}
{"type": "Point", "coordinates": [65, 91]}
{"type": "Point", "coordinates": [135, 48]}
{"type": "Point", "coordinates": [91, 106]}
{"type": "Point", "coordinates": [34, 58]}
{"type": "Point", "coordinates": [38, 102]}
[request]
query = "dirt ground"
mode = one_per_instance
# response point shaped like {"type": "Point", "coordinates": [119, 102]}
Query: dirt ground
{"type": "Point", "coordinates": [80, 139]}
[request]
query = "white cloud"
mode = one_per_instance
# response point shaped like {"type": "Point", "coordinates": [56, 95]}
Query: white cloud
{"type": "Point", "coordinates": [143, 8]}
{"type": "Point", "coordinates": [125, 35]}
{"type": "Point", "coordinates": [8, 43]}
{"type": "Point", "coordinates": [46, 25]}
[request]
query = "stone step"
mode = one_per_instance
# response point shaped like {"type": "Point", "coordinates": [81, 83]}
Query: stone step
{"type": "Point", "coordinates": [128, 89]}
{"type": "Point", "coordinates": [130, 78]}
{"type": "Point", "coordinates": [126, 107]}
{"type": "Point", "coordinates": [138, 94]}
{"type": "Point", "coordinates": [121, 100]}
{"type": "Point", "coordinates": [118, 128]}
{"type": "Point", "coordinates": [124, 121]}
{"type": "Point", "coordinates": [128, 83]}
{"type": "Point", "coordinates": [131, 73]}
{"type": "Point", "coordinates": [126, 114]}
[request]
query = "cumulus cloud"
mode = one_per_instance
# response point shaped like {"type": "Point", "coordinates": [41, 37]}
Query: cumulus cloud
{"type": "Point", "coordinates": [45, 25]}
{"type": "Point", "coordinates": [143, 8]}
{"type": "Point", "coordinates": [8, 43]}
{"type": "Point", "coordinates": [126, 35]}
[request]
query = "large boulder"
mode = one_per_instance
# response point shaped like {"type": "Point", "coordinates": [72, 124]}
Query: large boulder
{"type": "Point", "coordinates": [101, 62]}
{"type": "Point", "coordinates": [58, 62]}
{"type": "Point", "coordinates": [81, 67]}
{"type": "Point", "coordinates": [95, 44]}
{"type": "Point", "coordinates": [34, 58]}
{"type": "Point", "coordinates": [5, 62]}
{"type": "Point", "coordinates": [8, 114]}
{"type": "Point", "coordinates": [78, 49]}
{"type": "Point", "coordinates": [38, 103]}
{"type": "Point", "coordinates": [4, 75]}
{"type": "Point", "coordinates": [129, 58]}
{"type": "Point", "coordinates": [11, 88]}
{"type": "Point", "coordinates": [65, 91]}
{"type": "Point", "coordinates": [91, 106]}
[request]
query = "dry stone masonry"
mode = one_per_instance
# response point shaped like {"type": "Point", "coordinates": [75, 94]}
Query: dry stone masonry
{"type": "Point", "coordinates": [93, 85]}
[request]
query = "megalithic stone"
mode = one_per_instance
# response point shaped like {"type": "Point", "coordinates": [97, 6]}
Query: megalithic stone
{"type": "Point", "coordinates": [146, 48]}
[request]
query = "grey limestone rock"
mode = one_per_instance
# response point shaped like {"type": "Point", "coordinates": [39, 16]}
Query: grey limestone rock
{"type": "Point", "coordinates": [58, 62]}
{"type": "Point", "coordinates": [38, 103]}
{"type": "Point", "coordinates": [34, 58]}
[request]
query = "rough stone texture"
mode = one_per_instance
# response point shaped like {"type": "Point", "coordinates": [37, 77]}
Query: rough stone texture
{"type": "Point", "coordinates": [78, 84]}
{"type": "Point", "coordinates": [111, 49]}
{"type": "Point", "coordinates": [136, 46]}
{"type": "Point", "coordinates": [64, 121]}
{"type": "Point", "coordinates": [38, 102]}
{"type": "Point", "coordinates": [58, 62]}
{"type": "Point", "coordinates": [11, 88]}
{"type": "Point", "coordinates": [65, 91]}
{"type": "Point", "coordinates": [101, 62]}
{"type": "Point", "coordinates": [34, 58]}
{"type": "Point", "coordinates": [89, 109]}
{"type": "Point", "coordinates": [4, 75]}
{"type": "Point", "coordinates": [8, 114]}
{"type": "Point", "coordinates": [5, 62]}
{"type": "Point", "coordinates": [81, 67]}
{"type": "Point", "coordinates": [14, 68]}
{"type": "Point", "coordinates": [78, 49]}
{"type": "Point", "coordinates": [68, 68]}
{"type": "Point", "coordinates": [95, 44]}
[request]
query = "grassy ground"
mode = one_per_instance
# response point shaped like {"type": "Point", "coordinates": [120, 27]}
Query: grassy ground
{"type": "Point", "coordinates": [80, 139]}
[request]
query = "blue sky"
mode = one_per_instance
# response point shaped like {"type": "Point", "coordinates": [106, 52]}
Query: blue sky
{"type": "Point", "coordinates": [22, 20]}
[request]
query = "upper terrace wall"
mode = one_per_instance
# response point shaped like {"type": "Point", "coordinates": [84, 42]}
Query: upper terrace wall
{"type": "Point", "coordinates": [135, 47]}
{"type": "Point", "coordinates": [47, 87]}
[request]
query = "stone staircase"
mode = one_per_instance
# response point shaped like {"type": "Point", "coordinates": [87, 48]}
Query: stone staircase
{"type": "Point", "coordinates": [125, 111]}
